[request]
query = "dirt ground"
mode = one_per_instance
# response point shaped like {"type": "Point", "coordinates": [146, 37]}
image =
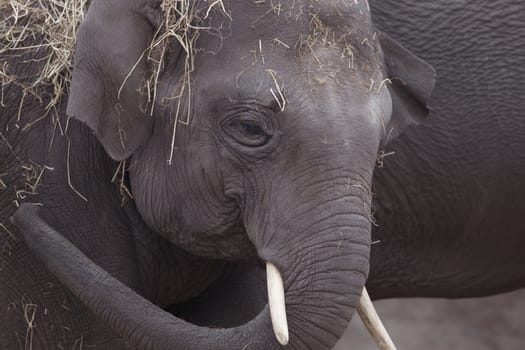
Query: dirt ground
{"type": "Point", "coordinates": [495, 323]}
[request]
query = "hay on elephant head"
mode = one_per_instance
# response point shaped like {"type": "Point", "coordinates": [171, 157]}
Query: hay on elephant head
{"type": "Point", "coordinates": [182, 21]}
{"type": "Point", "coordinates": [46, 29]}
{"type": "Point", "coordinates": [178, 16]}
{"type": "Point", "coordinates": [37, 42]}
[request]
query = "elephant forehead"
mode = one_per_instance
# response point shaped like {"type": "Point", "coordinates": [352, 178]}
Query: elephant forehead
{"type": "Point", "coordinates": [333, 11]}
{"type": "Point", "coordinates": [338, 12]}
{"type": "Point", "coordinates": [291, 23]}
{"type": "Point", "coordinates": [333, 40]}
{"type": "Point", "coordinates": [299, 95]}
{"type": "Point", "coordinates": [317, 48]}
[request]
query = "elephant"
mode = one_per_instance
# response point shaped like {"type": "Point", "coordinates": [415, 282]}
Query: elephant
{"type": "Point", "coordinates": [270, 159]}
{"type": "Point", "coordinates": [449, 202]}
{"type": "Point", "coordinates": [226, 160]}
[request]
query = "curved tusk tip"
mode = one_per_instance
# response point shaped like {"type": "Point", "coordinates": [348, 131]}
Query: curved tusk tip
{"type": "Point", "coordinates": [373, 323]}
{"type": "Point", "coordinates": [282, 338]}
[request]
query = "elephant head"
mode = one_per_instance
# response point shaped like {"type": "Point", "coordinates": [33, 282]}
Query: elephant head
{"type": "Point", "coordinates": [287, 106]}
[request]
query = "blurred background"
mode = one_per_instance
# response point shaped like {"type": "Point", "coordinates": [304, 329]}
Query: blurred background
{"type": "Point", "coordinates": [494, 323]}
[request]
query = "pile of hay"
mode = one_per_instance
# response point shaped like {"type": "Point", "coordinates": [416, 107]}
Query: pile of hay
{"type": "Point", "coordinates": [46, 30]}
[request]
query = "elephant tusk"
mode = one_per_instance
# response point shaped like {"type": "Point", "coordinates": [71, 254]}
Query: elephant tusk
{"type": "Point", "coordinates": [276, 303]}
{"type": "Point", "coordinates": [373, 323]}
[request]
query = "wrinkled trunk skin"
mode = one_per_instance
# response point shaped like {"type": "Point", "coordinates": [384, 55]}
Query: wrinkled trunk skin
{"type": "Point", "coordinates": [322, 251]}
{"type": "Point", "coordinates": [323, 289]}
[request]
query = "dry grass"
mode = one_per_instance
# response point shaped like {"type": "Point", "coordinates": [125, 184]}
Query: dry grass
{"type": "Point", "coordinates": [37, 41]}
{"type": "Point", "coordinates": [46, 29]}
{"type": "Point", "coordinates": [31, 26]}
{"type": "Point", "coordinates": [40, 26]}
{"type": "Point", "coordinates": [182, 22]}
{"type": "Point", "coordinates": [178, 24]}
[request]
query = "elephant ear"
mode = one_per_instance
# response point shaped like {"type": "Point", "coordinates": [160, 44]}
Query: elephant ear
{"type": "Point", "coordinates": [109, 68]}
{"type": "Point", "coordinates": [412, 82]}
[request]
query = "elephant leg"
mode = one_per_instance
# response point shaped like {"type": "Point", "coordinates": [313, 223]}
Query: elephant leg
{"type": "Point", "coordinates": [235, 298]}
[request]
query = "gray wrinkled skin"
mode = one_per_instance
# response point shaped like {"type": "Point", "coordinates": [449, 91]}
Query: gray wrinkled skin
{"type": "Point", "coordinates": [289, 109]}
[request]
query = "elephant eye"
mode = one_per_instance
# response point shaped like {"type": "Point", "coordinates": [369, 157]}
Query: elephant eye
{"type": "Point", "coordinates": [248, 131]}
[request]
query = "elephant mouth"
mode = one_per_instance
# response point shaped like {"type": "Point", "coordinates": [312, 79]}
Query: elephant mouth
{"type": "Point", "coordinates": [237, 297]}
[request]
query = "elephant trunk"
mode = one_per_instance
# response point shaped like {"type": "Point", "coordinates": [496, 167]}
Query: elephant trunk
{"type": "Point", "coordinates": [323, 262]}
{"type": "Point", "coordinates": [321, 250]}
{"type": "Point", "coordinates": [143, 325]}
{"type": "Point", "coordinates": [321, 291]}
